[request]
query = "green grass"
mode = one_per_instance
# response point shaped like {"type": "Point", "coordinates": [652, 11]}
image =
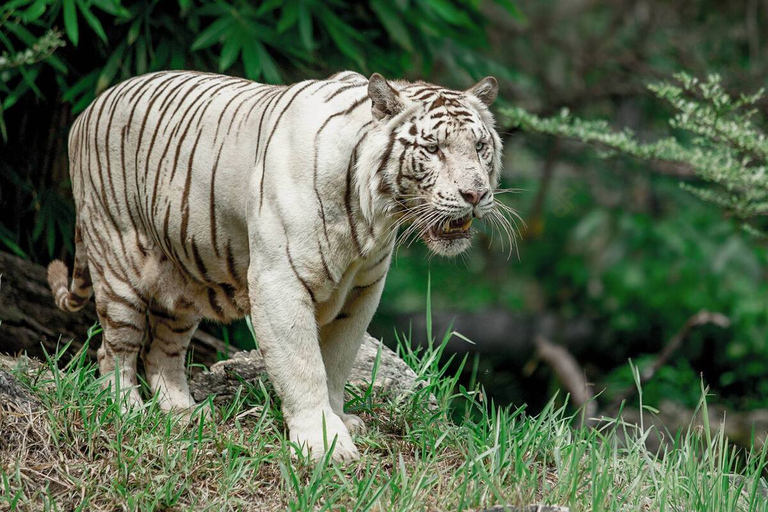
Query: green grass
{"type": "Point", "coordinates": [442, 448]}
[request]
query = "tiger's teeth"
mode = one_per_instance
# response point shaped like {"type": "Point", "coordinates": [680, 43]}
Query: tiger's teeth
{"type": "Point", "coordinates": [467, 224]}
{"type": "Point", "coordinates": [447, 227]}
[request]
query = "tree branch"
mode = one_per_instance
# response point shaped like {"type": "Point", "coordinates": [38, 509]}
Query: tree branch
{"type": "Point", "coordinates": [675, 342]}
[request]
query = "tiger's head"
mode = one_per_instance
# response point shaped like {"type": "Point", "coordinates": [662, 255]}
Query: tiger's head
{"type": "Point", "coordinates": [441, 161]}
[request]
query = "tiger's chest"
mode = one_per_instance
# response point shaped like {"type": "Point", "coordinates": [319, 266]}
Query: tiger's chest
{"type": "Point", "coordinates": [337, 300]}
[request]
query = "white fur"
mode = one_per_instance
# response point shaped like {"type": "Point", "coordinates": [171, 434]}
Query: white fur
{"type": "Point", "coordinates": [294, 229]}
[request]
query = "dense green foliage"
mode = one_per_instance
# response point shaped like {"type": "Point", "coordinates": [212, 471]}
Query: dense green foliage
{"type": "Point", "coordinates": [271, 41]}
{"type": "Point", "coordinates": [717, 137]}
{"type": "Point", "coordinates": [718, 140]}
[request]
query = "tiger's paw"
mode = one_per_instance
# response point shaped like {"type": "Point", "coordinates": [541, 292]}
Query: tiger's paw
{"type": "Point", "coordinates": [354, 424]}
{"type": "Point", "coordinates": [315, 434]}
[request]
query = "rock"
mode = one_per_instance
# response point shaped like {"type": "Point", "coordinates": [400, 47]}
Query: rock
{"type": "Point", "coordinates": [14, 396]}
{"type": "Point", "coordinates": [393, 375]}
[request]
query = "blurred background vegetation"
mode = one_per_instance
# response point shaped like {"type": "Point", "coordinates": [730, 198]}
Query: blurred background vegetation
{"type": "Point", "coordinates": [615, 256]}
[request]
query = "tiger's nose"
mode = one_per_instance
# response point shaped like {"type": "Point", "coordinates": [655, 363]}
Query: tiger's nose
{"type": "Point", "coordinates": [474, 196]}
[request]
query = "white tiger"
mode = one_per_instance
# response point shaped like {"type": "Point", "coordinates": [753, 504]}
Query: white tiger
{"type": "Point", "coordinates": [207, 196]}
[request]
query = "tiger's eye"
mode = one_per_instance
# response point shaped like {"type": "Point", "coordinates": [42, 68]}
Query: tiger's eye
{"type": "Point", "coordinates": [432, 148]}
{"type": "Point", "coordinates": [480, 145]}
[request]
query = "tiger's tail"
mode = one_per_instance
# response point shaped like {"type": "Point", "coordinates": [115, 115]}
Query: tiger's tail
{"type": "Point", "coordinates": [73, 297]}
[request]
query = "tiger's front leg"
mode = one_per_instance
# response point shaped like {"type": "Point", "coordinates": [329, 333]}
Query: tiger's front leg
{"type": "Point", "coordinates": [341, 339]}
{"type": "Point", "coordinates": [283, 315]}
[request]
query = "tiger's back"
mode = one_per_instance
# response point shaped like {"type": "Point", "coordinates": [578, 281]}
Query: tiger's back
{"type": "Point", "coordinates": [162, 166]}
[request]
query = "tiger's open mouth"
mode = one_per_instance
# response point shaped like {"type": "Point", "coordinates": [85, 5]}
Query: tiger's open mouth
{"type": "Point", "coordinates": [451, 229]}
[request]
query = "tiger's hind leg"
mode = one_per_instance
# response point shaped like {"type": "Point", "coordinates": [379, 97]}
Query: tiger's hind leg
{"type": "Point", "coordinates": [122, 314]}
{"type": "Point", "coordinates": [170, 334]}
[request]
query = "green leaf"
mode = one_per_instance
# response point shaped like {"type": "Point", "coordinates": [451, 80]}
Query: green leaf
{"type": "Point", "coordinates": [159, 59]}
{"type": "Point", "coordinates": [83, 102]}
{"type": "Point", "coordinates": [113, 8]}
{"type": "Point", "coordinates": [37, 230]}
{"type": "Point", "coordinates": [13, 246]}
{"type": "Point", "coordinates": [29, 76]}
{"type": "Point", "coordinates": [22, 33]}
{"type": "Point", "coordinates": [251, 61]}
{"type": "Point", "coordinates": [57, 64]}
{"type": "Point", "coordinates": [305, 27]}
{"type": "Point", "coordinates": [343, 36]}
{"type": "Point", "coordinates": [229, 52]}
{"type": "Point", "coordinates": [289, 16]}
{"type": "Point", "coordinates": [82, 92]}
{"type": "Point", "coordinates": [6, 42]}
{"type": "Point", "coordinates": [79, 87]}
{"type": "Point", "coordinates": [134, 31]}
{"type": "Point", "coordinates": [268, 6]}
{"type": "Point", "coordinates": [392, 23]}
{"type": "Point", "coordinates": [450, 13]}
{"type": "Point", "coordinates": [271, 73]}
{"type": "Point", "coordinates": [141, 56]}
{"type": "Point", "coordinates": [34, 11]}
{"type": "Point", "coordinates": [11, 99]}
{"type": "Point", "coordinates": [110, 69]}
{"type": "Point", "coordinates": [213, 34]}
{"type": "Point", "coordinates": [14, 5]}
{"type": "Point", "coordinates": [92, 21]}
{"type": "Point", "coordinates": [70, 21]}
{"type": "Point", "coordinates": [178, 58]}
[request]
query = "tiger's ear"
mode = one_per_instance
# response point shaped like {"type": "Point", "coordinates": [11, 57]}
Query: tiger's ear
{"type": "Point", "coordinates": [385, 99]}
{"type": "Point", "coordinates": [485, 90]}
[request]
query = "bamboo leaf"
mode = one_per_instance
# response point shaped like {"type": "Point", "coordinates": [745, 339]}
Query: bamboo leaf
{"type": "Point", "coordinates": [450, 13]}
{"type": "Point", "coordinates": [251, 62]}
{"type": "Point", "coordinates": [34, 11]}
{"type": "Point", "coordinates": [229, 52]}
{"type": "Point", "coordinates": [110, 69]}
{"type": "Point", "coordinates": [392, 23]}
{"type": "Point", "coordinates": [92, 21]}
{"type": "Point", "coordinates": [70, 21]}
{"type": "Point", "coordinates": [341, 34]}
{"type": "Point", "coordinates": [11, 244]}
{"type": "Point", "coordinates": [271, 73]}
{"type": "Point", "coordinates": [213, 34]}
{"type": "Point", "coordinates": [305, 27]}
{"type": "Point", "coordinates": [13, 5]}
{"type": "Point", "coordinates": [112, 7]}
{"type": "Point", "coordinates": [134, 30]}
{"type": "Point", "coordinates": [80, 87]}
{"type": "Point", "coordinates": [21, 32]}
{"type": "Point", "coordinates": [57, 64]}
{"type": "Point", "coordinates": [289, 16]}
{"type": "Point", "coordinates": [141, 56]}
